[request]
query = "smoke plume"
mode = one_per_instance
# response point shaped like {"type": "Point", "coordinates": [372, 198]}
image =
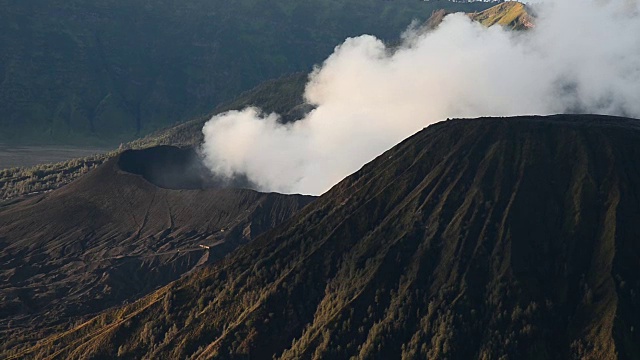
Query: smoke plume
{"type": "Point", "coordinates": [582, 56]}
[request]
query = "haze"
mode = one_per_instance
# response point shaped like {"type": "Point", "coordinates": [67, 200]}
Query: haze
{"type": "Point", "coordinates": [583, 56]}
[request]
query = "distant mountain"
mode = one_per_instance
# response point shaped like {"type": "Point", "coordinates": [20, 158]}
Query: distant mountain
{"type": "Point", "coordinates": [282, 95]}
{"type": "Point", "coordinates": [108, 71]}
{"type": "Point", "coordinates": [495, 238]}
{"type": "Point", "coordinates": [137, 222]}
{"type": "Point", "coordinates": [511, 14]}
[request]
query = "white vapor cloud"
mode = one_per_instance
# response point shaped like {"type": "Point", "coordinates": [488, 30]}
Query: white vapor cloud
{"type": "Point", "coordinates": [582, 56]}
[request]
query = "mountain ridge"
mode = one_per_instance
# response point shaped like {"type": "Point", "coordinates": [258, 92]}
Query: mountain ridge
{"type": "Point", "coordinates": [480, 238]}
{"type": "Point", "coordinates": [113, 236]}
{"type": "Point", "coordinates": [283, 95]}
{"type": "Point", "coordinates": [512, 14]}
{"type": "Point", "coordinates": [80, 72]}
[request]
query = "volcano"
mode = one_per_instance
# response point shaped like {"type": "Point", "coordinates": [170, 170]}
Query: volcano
{"type": "Point", "coordinates": [170, 167]}
{"type": "Point", "coordinates": [138, 222]}
{"type": "Point", "coordinates": [511, 238]}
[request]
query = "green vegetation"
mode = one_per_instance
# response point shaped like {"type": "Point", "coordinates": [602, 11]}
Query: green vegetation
{"type": "Point", "coordinates": [16, 182]}
{"type": "Point", "coordinates": [109, 71]}
{"type": "Point", "coordinates": [280, 95]}
{"type": "Point", "coordinates": [473, 239]}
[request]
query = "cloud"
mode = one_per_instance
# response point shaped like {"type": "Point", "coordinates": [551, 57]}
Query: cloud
{"type": "Point", "coordinates": [582, 56]}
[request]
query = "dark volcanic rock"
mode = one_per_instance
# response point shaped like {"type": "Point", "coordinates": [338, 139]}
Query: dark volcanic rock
{"type": "Point", "coordinates": [474, 239]}
{"type": "Point", "coordinates": [112, 236]}
{"type": "Point", "coordinates": [170, 167]}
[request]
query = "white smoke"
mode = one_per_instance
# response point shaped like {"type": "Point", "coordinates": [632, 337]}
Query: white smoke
{"type": "Point", "coordinates": [582, 56]}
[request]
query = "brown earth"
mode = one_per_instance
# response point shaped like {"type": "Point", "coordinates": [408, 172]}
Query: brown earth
{"type": "Point", "coordinates": [112, 236]}
{"type": "Point", "coordinates": [512, 238]}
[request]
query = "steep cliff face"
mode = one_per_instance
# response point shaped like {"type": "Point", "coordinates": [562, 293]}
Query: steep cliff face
{"type": "Point", "coordinates": [490, 238]}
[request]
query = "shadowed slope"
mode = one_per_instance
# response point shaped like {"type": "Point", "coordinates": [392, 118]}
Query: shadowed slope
{"type": "Point", "coordinates": [283, 95]}
{"type": "Point", "coordinates": [112, 236]}
{"type": "Point", "coordinates": [175, 168]}
{"type": "Point", "coordinates": [109, 71]}
{"type": "Point", "coordinates": [491, 238]}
